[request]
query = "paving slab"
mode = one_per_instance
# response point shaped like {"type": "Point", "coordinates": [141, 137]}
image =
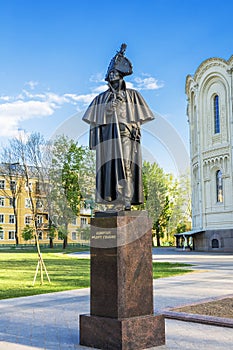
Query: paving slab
{"type": "Point", "coordinates": [51, 321]}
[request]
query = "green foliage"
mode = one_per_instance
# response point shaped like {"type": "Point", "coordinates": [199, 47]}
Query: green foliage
{"type": "Point", "coordinates": [28, 233]}
{"type": "Point", "coordinates": [155, 189]}
{"type": "Point", "coordinates": [87, 177]}
{"type": "Point", "coordinates": [156, 199]}
{"type": "Point", "coordinates": [52, 232]}
{"type": "Point", "coordinates": [167, 200]}
{"type": "Point", "coordinates": [70, 174]}
{"type": "Point", "coordinates": [180, 191]}
{"type": "Point", "coordinates": [67, 178]}
{"type": "Point", "coordinates": [65, 169]}
{"type": "Point", "coordinates": [84, 232]}
{"type": "Point", "coordinates": [181, 227]}
{"type": "Point", "coordinates": [62, 232]}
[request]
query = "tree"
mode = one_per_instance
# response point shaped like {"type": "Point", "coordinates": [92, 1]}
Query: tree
{"type": "Point", "coordinates": [167, 200]}
{"type": "Point", "coordinates": [64, 173]}
{"type": "Point", "coordinates": [51, 233]}
{"type": "Point", "coordinates": [162, 222]}
{"type": "Point", "coordinates": [27, 233]}
{"type": "Point", "coordinates": [87, 177]}
{"type": "Point", "coordinates": [84, 233]}
{"type": "Point", "coordinates": [180, 197]}
{"type": "Point", "coordinates": [155, 193]}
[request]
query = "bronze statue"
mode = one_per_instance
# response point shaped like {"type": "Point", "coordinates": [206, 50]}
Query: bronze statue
{"type": "Point", "coordinates": [115, 117]}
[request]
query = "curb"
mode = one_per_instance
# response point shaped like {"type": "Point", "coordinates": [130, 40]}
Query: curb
{"type": "Point", "coordinates": [198, 318]}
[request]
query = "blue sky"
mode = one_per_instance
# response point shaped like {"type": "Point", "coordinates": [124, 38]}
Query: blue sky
{"type": "Point", "coordinates": [54, 55]}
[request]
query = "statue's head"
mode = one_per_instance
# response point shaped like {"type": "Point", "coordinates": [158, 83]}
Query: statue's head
{"type": "Point", "coordinates": [114, 75]}
{"type": "Point", "coordinates": [119, 64]}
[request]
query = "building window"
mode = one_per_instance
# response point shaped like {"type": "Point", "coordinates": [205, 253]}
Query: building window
{"type": "Point", "coordinates": [74, 236]}
{"type": "Point", "coordinates": [73, 221]}
{"type": "Point", "coordinates": [2, 184]}
{"type": "Point", "coordinates": [38, 191]}
{"type": "Point", "coordinates": [219, 186]}
{"type": "Point", "coordinates": [28, 219]}
{"type": "Point", "coordinates": [83, 222]}
{"type": "Point", "coordinates": [2, 201]}
{"type": "Point", "coordinates": [1, 234]}
{"type": "Point", "coordinates": [39, 219]}
{"type": "Point", "coordinates": [1, 218]}
{"type": "Point", "coordinates": [13, 185]}
{"type": "Point", "coordinates": [40, 235]}
{"type": "Point", "coordinates": [216, 115]}
{"type": "Point", "coordinates": [28, 203]}
{"type": "Point", "coordinates": [39, 204]}
{"type": "Point", "coordinates": [11, 219]}
{"type": "Point", "coordinates": [11, 235]}
{"type": "Point", "coordinates": [11, 201]}
{"type": "Point", "coordinates": [215, 243]}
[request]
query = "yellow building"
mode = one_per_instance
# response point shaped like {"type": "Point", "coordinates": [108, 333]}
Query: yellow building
{"type": "Point", "coordinates": [13, 189]}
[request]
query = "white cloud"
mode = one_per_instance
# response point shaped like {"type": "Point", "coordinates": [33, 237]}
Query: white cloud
{"type": "Point", "coordinates": [26, 109]}
{"type": "Point", "coordinates": [32, 84]}
{"type": "Point", "coordinates": [97, 78]}
{"type": "Point", "coordinates": [147, 83]}
{"type": "Point", "coordinates": [12, 114]}
{"type": "Point", "coordinates": [130, 85]}
{"type": "Point", "coordinates": [25, 106]}
{"type": "Point", "coordinates": [85, 99]}
{"type": "Point", "coordinates": [54, 98]}
{"type": "Point", "coordinates": [14, 110]}
{"type": "Point", "coordinates": [100, 88]}
{"type": "Point", "coordinates": [5, 98]}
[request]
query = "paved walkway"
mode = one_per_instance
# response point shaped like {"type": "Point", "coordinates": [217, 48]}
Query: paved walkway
{"type": "Point", "coordinates": [51, 321]}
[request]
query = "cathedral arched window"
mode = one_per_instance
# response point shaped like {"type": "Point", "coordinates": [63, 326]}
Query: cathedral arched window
{"type": "Point", "coordinates": [216, 115]}
{"type": "Point", "coordinates": [219, 186]}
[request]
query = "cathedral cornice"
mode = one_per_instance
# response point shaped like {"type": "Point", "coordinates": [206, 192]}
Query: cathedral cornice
{"type": "Point", "coordinates": [204, 66]}
{"type": "Point", "coordinates": [217, 152]}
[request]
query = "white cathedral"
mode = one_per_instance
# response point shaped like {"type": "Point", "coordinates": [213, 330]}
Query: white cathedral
{"type": "Point", "coordinates": [210, 116]}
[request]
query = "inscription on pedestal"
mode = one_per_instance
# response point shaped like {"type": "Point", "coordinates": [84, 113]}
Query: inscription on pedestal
{"type": "Point", "coordinates": [103, 235]}
{"type": "Point", "coordinates": [101, 238]}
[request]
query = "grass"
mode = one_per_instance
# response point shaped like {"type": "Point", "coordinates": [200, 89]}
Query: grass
{"type": "Point", "coordinates": [165, 269]}
{"type": "Point", "coordinates": [17, 270]}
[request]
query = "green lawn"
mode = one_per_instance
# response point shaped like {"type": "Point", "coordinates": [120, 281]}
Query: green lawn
{"type": "Point", "coordinates": [165, 269]}
{"type": "Point", "coordinates": [17, 270]}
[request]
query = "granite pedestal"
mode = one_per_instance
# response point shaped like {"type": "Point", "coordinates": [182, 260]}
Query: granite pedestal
{"type": "Point", "coordinates": [121, 314]}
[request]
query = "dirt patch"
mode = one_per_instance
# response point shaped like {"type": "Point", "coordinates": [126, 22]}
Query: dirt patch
{"type": "Point", "coordinates": [217, 308]}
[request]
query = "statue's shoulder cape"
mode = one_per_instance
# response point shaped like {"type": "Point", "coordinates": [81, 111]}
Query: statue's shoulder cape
{"type": "Point", "coordinates": [137, 109]}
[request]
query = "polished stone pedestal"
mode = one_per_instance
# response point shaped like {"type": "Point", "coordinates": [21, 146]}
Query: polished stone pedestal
{"type": "Point", "coordinates": [121, 285]}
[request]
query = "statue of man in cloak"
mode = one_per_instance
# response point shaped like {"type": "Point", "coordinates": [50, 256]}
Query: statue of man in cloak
{"type": "Point", "coordinates": [115, 117]}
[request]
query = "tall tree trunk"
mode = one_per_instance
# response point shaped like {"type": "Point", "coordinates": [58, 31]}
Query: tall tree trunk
{"type": "Point", "coordinates": [50, 242]}
{"type": "Point", "coordinates": [65, 242]}
{"type": "Point", "coordinates": [16, 225]}
{"type": "Point", "coordinates": [16, 238]}
{"type": "Point", "coordinates": [158, 239]}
